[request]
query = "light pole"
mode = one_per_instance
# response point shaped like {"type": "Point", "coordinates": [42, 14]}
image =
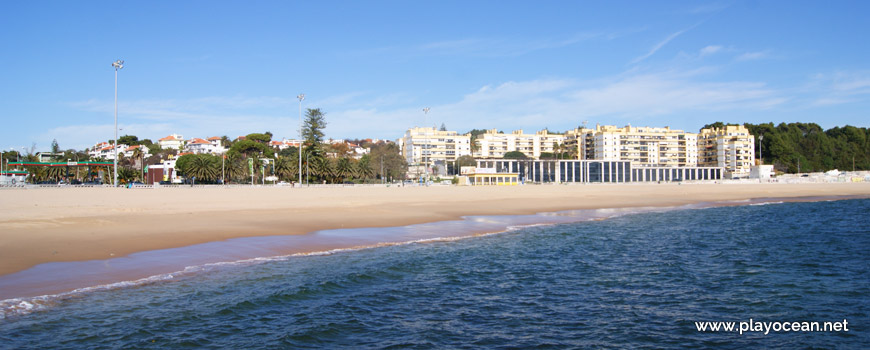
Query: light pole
{"type": "Point", "coordinates": [300, 97]}
{"type": "Point", "coordinates": [760, 151]}
{"type": "Point", "coordinates": [119, 64]}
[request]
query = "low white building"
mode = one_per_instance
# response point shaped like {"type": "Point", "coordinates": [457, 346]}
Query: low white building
{"type": "Point", "coordinates": [104, 150]}
{"type": "Point", "coordinates": [200, 146]}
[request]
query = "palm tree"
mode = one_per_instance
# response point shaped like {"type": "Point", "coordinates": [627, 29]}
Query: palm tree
{"type": "Point", "coordinates": [321, 168]}
{"type": "Point", "coordinates": [137, 153]}
{"type": "Point", "coordinates": [235, 167]}
{"type": "Point", "coordinates": [203, 168]}
{"type": "Point", "coordinates": [286, 168]}
{"type": "Point", "coordinates": [126, 174]}
{"type": "Point", "coordinates": [364, 168]}
{"type": "Point", "coordinates": [343, 169]}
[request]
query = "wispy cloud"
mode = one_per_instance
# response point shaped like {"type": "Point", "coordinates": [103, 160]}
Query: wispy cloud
{"type": "Point", "coordinates": [491, 46]}
{"type": "Point", "coordinates": [709, 50]}
{"type": "Point", "coordinates": [658, 46]}
{"type": "Point", "coordinates": [840, 88]}
{"type": "Point", "coordinates": [709, 8]}
{"type": "Point", "coordinates": [752, 56]}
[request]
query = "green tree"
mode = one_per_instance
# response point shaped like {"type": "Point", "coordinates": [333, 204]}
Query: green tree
{"type": "Point", "coordinates": [250, 148]}
{"type": "Point", "coordinates": [344, 169]}
{"type": "Point", "coordinates": [287, 168]}
{"type": "Point", "coordinates": [517, 155]}
{"type": "Point", "coordinates": [55, 148]}
{"type": "Point", "coordinates": [312, 130]}
{"type": "Point", "coordinates": [261, 138]}
{"type": "Point", "coordinates": [388, 162]}
{"type": "Point", "coordinates": [130, 140]}
{"type": "Point", "coordinates": [205, 167]}
{"type": "Point", "coordinates": [364, 168]}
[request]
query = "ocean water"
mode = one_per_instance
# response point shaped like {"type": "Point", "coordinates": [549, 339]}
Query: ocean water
{"type": "Point", "coordinates": [636, 281]}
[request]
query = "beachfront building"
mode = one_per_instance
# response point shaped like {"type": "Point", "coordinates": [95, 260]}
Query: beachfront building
{"type": "Point", "coordinates": [426, 149]}
{"type": "Point", "coordinates": [594, 171]}
{"type": "Point", "coordinates": [174, 141]}
{"type": "Point", "coordinates": [641, 146]}
{"type": "Point", "coordinates": [731, 147]}
{"type": "Point", "coordinates": [494, 144]}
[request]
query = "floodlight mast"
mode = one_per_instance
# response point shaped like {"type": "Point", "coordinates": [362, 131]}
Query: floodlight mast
{"type": "Point", "coordinates": [119, 64]}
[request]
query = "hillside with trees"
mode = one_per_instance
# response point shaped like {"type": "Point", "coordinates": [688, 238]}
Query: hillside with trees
{"type": "Point", "coordinates": [806, 147]}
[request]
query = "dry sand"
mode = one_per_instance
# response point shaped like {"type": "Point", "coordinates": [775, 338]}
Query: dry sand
{"type": "Point", "coordinates": [74, 224]}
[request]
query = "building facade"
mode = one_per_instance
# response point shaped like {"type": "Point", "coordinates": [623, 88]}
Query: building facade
{"type": "Point", "coordinates": [642, 146]}
{"type": "Point", "coordinates": [493, 144]}
{"type": "Point", "coordinates": [173, 141]}
{"type": "Point", "coordinates": [429, 146]}
{"type": "Point", "coordinates": [594, 171]}
{"type": "Point", "coordinates": [731, 148]}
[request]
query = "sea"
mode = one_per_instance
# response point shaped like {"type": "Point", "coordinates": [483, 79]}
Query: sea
{"type": "Point", "coordinates": [608, 279]}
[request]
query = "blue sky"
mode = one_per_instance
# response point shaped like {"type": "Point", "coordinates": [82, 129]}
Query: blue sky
{"type": "Point", "coordinates": [212, 68]}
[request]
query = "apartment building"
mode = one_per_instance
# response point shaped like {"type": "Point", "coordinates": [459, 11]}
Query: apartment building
{"type": "Point", "coordinates": [642, 146]}
{"type": "Point", "coordinates": [731, 148]}
{"type": "Point", "coordinates": [493, 144]}
{"type": "Point", "coordinates": [432, 146]}
{"type": "Point", "coordinates": [174, 141]}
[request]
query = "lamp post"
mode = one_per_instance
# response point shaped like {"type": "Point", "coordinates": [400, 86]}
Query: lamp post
{"type": "Point", "coordinates": [300, 97]}
{"type": "Point", "coordinates": [760, 151]}
{"type": "Point", "coordinates": [119, 64]}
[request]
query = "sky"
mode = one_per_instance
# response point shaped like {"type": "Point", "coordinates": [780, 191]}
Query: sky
{"type": "Point", "coordinates": [214, 68]}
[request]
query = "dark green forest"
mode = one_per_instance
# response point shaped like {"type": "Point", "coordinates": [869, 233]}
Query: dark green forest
{"type": "Point", "coordinates": [806, 147]}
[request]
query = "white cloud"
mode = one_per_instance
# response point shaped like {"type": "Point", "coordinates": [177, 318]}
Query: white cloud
{"type": "Point", "coordinates": [752, 56]}
{"type": "Point", "coordinates": [531, 105]}
{"type": "Point", "coordinates": [840, 87]}
{"type": "Point", "coordinates": [710, 49]}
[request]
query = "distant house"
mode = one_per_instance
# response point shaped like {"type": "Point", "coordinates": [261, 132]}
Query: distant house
{"type": "Point", "coordinates": [132, 149]}
{"type": "Point", "coordinates": [284, 144]}
{"type": "Point", "coordinates": [105, 150]}
{"type": "Point", "coordinates": [173, 141]}
{"type": "Point", "coordinates": [201, 146]}
{"type": "Point", "coordinates": [49, 157]}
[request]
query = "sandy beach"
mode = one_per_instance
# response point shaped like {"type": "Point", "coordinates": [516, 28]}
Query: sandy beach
{"type": "Point", "coordinates": [76, 224]}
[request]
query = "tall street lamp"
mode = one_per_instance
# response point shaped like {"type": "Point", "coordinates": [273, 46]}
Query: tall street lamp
{"type": "Point", "coordinates": [300, 97]}
{"type": "Point", "coordinates": [760, 146]}
{"type": "Point", "coordinates": [118, 65]}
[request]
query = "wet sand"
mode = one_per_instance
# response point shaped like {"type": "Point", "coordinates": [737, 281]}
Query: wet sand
{"type": "Point", "coordinates": [79, 224]}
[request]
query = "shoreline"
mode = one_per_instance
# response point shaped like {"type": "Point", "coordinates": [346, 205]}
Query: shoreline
{"type": "Point", "coordinates": [40, 226]}
{"type": "Point", "coordinates": [42, 286]}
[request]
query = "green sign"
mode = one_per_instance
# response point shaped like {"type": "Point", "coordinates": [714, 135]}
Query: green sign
{"type": "Point", "coordinates": [251, 165]}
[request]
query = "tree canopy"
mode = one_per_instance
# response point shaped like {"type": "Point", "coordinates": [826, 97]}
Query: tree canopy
{"type": "Point", "coordinates": [515, 155]}
{"type": "Point", "coordinates": [809, 147]}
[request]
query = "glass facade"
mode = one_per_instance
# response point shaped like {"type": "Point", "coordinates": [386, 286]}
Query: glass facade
{"type": "Point", "coordinates": [596, 171]}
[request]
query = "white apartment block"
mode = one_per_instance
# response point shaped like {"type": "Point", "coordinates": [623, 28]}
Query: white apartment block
{"type": "Point", "coordinates": [430, 146]}
{"type": "Point", "coordinates": [642, 146]}
{"type": "Point", "coordinates": [173, 141]}
{"type": "Point", "coordinates": [731, 148]}
{"type": "Point", "coordinates": [493, 144]}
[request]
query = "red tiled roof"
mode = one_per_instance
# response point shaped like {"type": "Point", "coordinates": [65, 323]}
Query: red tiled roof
{"type": "Point", "coordinates": [214, 138]}
{"type": "Point", "coordinates": [199, 141]}
{"type": "Point", "coordinates": [168, 138]}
